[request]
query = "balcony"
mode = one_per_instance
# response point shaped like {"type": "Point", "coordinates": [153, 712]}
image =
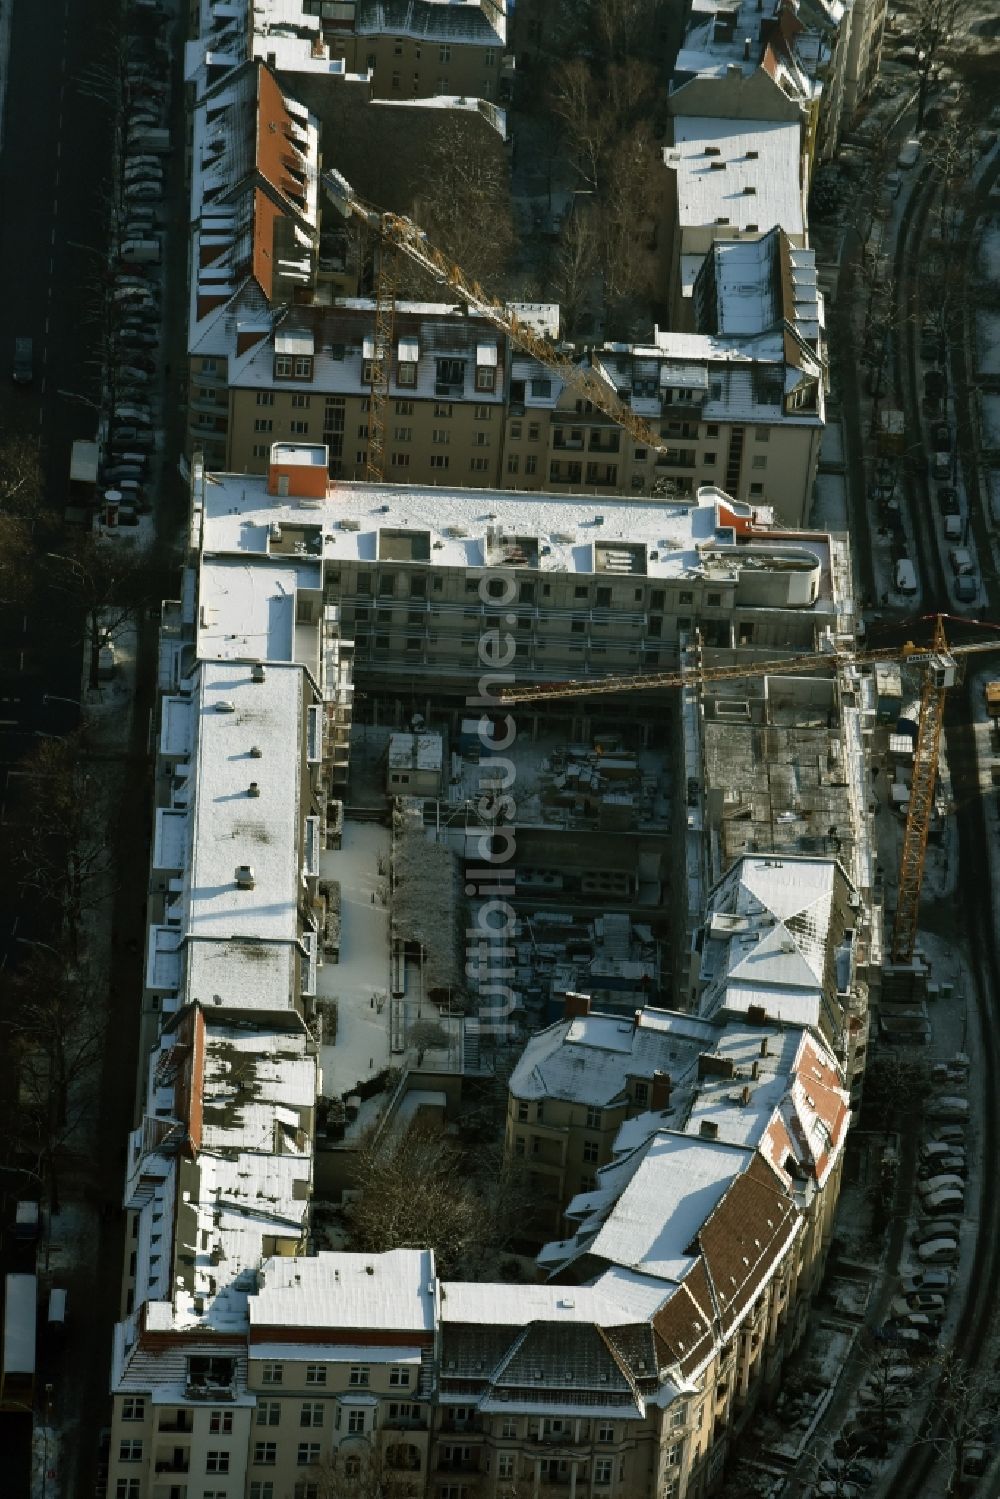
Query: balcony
{"type": "Point", "coordinates": [468, 1425]}
{"type": "Point", "coordinates": [181, 1422]}
{"type": "Point", "coordinates": [567, 444]}
{"type": "Point", "coordinates": [179, 1463]}
{"type": "Point", "coordinates": [605, 442]}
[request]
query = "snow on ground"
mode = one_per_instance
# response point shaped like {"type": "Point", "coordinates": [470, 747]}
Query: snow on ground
{"type": "Point", "coordinates": [989, 419]}
{"type": "Point", "coordinates": [988, 343]}
{"type": "Point", "coordinates": [360, 981]}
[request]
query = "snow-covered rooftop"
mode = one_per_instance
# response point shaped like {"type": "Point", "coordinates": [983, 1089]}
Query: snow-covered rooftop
{"type": "Point", "coordinates": [339, 1292]}
{"type": "Point", "coordinates": [742, 173]}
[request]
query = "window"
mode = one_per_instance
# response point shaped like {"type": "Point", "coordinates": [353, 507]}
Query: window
{"type": "Point", "coordinates": [442, 408]}
{"type": "Point", "coordinates": [300, 428]}
{"type": "Point", "coordinates": [272, 1373]}
{"type": "Point", "coordinates": [301, 402]}
{"type": "Point", "coordinates": [397, 49]}
{"type": "Point", "coordinates": [759, 460]}
{"type": "Point", "coordinates": [505, 1465]}
{"type": "Point", "coordinates": [400, 460]}
{"type": "Point", "coordinates": [399, 1375]}
{"type": "Point", "coordinates": [209, 366]}
{"type": "Point", "coordinates": [673, 1454]}
{"type": "Point", "coordinates": [268, 1413]}
{"type": "Point", "coordinates": [311, 1414]}
{"type": "Point", "coordinates": [486, 377]}
{"type": "Point", "coordinates": [593, 1118]}
{"type": "Point", "coordinates": [490, 56]}
{"type": "Point", "coordinates": [363, 429]}
{"type": "Point", "coordinates": [712, 430]}
{"type": "Point", "coordinates": [444, 54]}
{"type": "Point", "coordinates": [262, 1488]}
{"type": "Point", "coordinates": [127, 1488]}
{"type": "Point", "coordinates": [508, 1428]}
{"type": "Point", "coordinates": [451, 372]}
{"type": "Point", "coordinates": [756, 489]}
{"type": "Point", "coordinates": [519, 1145]}
{"type": "Point", "coordinates": [480, 439]}
{"type": "Point", "coordinates": [263, 424]}
{"type": "Point", "coordinates": [265, 398]}
{"type": "Point", "coordinates": [483, 413]}
{"type": "Point", "coordinates": [522, 1112]}
{"type": "Point", "coordinates": [762, 434]}
{"type": "Point", "coordinates": [130, 1450]}
{"type": "Point", "coordinates": [355, 1422]}
{"type": "Point", "coordinates": [531, 464]}
{"type": "Point", "coordinates": [404, 408]}
{"type": "Point", "coordinates": [359, 1375]}
{"type": "Point", "coordinates": [367, 371]}
{"type": "Point", "coordinates": [641, 455]}
{"type": "Point", "coordinates": [217, 1460]}
{"type": "Point", "coordinates": [513, 463]}
{"type": "Point", "coordinates": [714, 600]}
{"type": "Point", "coordinates": [709, 460]}
{"type": "Point", "coordinates": [602, 1470]}
{"type": "Point", "coordinates": [439, 460]}
{"type": "Point", "coordinates": [641, 1091]}
{"type": "Point", "coordinates": [541, 387]}
{"type": "Point", "coordinates": [259, 450]}
{"type": "Point", "coordinates": [685, 597]}
{"type": "Point", "coordinates": [479, 465]}
{"type": "Point", "coordinates": [306, 1488]}
{"type": "Point", "coordinates": [533, 431]}
{"type": "Point", "coordinates": [591, 1150]}
{"type": "Point", "coordinates": [306, 1454]}
{"type": "Point", "coordinates": [133, 1408]}
{"type": "Point", "coordinates": [265, 1454]}
{"type": "Point", "coordinates": [605, 1432]}
{"type": "Point", "coordinates": [515, 430]}
{"type": "Point", "coordinates": [220, 1421]}
{"type": "Point", "coordinates": [402, 434]}
{"type": "Point", "coordinates": [440, 435]}
{"type": "Point", "coordinates": [304, 367]}
{"type": "Point", "coordinates": [282, 366]}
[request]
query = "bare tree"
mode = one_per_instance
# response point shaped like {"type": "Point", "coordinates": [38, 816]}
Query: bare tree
{"type": "Point", "coordinates": [464, 200]}
{"type": "Point", "coordinates": [894, 1088]}
{"type": "Point", "coordinates": [621, 23]}
{"type": "Point", "coordinates": [109, 583]}
{"type": "Point", "coordinates": [20, 509]}
{"type": "Point", "coordinates": [933, 26]}
{"type": "Point", "coordinates": [575, 266]}
{"type": "Point", "coordinates": [965, 1409]}
{"type": "Point", "coordinates": [626, 261]}
{"type": "Point", "coordinates": [426, 1035]}
{"type": "Point", "coordinates": [579, 102]}
{"type": "Point", "coordinates": [887, 1395]}
{"type": "Point", "coordinates": [61, 855]}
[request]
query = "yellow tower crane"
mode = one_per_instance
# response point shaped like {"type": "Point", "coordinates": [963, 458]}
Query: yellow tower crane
{"type": "Point", "coordinates": [940, 668]}
{"type": "Point", "coordinates": [400, 235]}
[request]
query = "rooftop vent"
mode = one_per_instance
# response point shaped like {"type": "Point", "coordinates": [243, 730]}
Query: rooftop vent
{"type": "Point", "coordinates": [253, 789]}
{"type": "Point", "coordinates": [713, 151]}
{"type": "Point", "coordinates": [257, 672]}
{"type": "Point", "coordinates": [718, 166]}
{"type": "Point", "coordinates": [709, 1129]}
{"type": "Point", "coordinates": [752, 155]}
{"type": "Point", "coordinates": [225, 706]}
{"type": "Point", "coordinates": [244, 877]}
{"type": "Point", "coordinates": [256, 753]}
{"type": "Point", "coordinates": [749, 191]}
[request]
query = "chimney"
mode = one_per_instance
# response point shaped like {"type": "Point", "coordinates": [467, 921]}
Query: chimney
{"type": "Point", "coordinates": [709, 1129]}
{"type": "Point", "coordinates": [745, 1094]}
{"type": "Point", "coordinates": [576, 1005]}
{"type": "Point", "coordinates": [244, 877]}
{"type": "Point", "coordinates": [254, 789]}
{"type": "Point", "coordinates": [709, 1065]}
{"type": "Point", "coordinates": [763, 1048]}
{"type": "Point", "coordinates": [257, 672]}
{"type": "Point", "coordinates": [256, 753]}
{"type": "Point", "coordinates": [746, 49]}
{"type": "Point", "coordinates": [756, 1015]}
{"type": "Point", "coordinates": [660, 1092]}
{"type": "Point", "coordinates": [755, 1070]}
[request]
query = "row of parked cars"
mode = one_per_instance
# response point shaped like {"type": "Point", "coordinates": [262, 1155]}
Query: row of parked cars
{"type": "Point", "coordinates": [135, 287]}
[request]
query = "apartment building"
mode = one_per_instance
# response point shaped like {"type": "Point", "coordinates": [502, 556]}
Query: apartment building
{"type": "Point", "coordinates": [254, 230]}
{"type": "Point", "coordinates": [579, 1081]}
{"type": "Point", "coordinates": [597, 590]}
{"type": "Point", "coordinates": [308, 379]}
{"type": "Point", "coordinates": [728, 179]}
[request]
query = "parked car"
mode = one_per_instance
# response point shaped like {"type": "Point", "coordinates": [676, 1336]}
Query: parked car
{"type": "Point", "coordinates": [932, 1149]}
{"type": "Point", "coordinates": [941, 465]}
{"type": "Point", "coordinates": [949, 1108]}
{"type": "Point", "coordinates": [952, 1132]}
{"type": "Point", "coordinates": [947, 499]}
{"type": "Point", "coordinates": [926, 1301]}
{"type": "Point", "coordinates": [909, 152]}
{"type": "Point", "coordinates": [927, 1280]}
{"type": "Point", "coordinates": [948, 1165]}
{"type": "Point", "coordinates": [946, 1200]}
{"type": "Point", "coordinates": [938, 1251]}
{"type": "Point", "coordinates": [939, 1230]}
{"type": "Point", "coordinates": [966, 590]}
{"type": "Point", "coordinates": [136, 437]}
{"type": "Point", "coordinates": [944, 1181]}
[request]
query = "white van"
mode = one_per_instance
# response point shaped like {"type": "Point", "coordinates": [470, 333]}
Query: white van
{"type": "Point", "coordinates": [948, 1107]}
{"type": "Point", "coordinates": [141, 251]}
{"type": "Point", "coordinates": [938, 1252]}
{"type": "Point", "coordinates": [57, 1310]}
{"type": "Point", "coordinates": [953, 528]}
{"type": "Point", "coordinates": [906, 576]}
{"type": "Point", "coordinates": [961, 561]}
{"type": "Point", "coordinates": [945, 1200]}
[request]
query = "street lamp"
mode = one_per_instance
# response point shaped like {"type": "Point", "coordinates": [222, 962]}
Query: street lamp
{"type": "Point", "coordinates": [55, 697]}
{"type": "Point", "coordinates": [72, 395]}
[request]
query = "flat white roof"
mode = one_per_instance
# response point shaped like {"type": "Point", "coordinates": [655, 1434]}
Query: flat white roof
{"type": "Point", "coordinates": [337, 1290]}
{"type": "Point", "coordinates": [760, 189]}
{"type": "Point", "coordinates": [501, 1305]}
{"type": "Point", "coordinates": [230, 828]}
